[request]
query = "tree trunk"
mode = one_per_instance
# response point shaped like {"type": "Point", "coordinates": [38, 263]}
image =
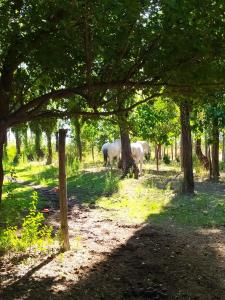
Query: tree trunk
{"type": "Point", "coordinates": [202, 158]}
{"type": "Point", "coordinates": [206, 146]}
{"type": "Point", "coordinates": [188, 180]}
{"type": "Point", "coordinates": [175, 146]}
{"type": "Point", "coordinates": [57, 141]}
{"type": "Point", "coordinates": [18, 142]}
{"type": "Point", "coordinates": [181, 155]}
{"type": "Point", "coordinates": [127, 161]}
{"type": "Point", "coordinates": [38, 150]}
{"type": "Point", "coordinates": [92, 152]}
{"type": "Point", "coordinates": [49, 146]}
{"type": "Point", "coordinates": [63, 191]}
{"type": "Point", "coordinates": [17, 134]}
{"type": "Point", "coordinates": [223, 149]}
{"type": "Point", "coordinates": [157, 157]}
{"type": "Point", "coordinates": [5, 153]}
{"type": "Point", "coordinates": [210, 161]}
{"type": "Point", "coordinates": [172, 152]}
{"type": "Point", "coordinates": [78, 139]}
{"type": "Point", "coordinates": [160, 151]}
{"type": "Point", "coordinates": [2, 141]}
{"type": "Point", "coordinates": [215, 151]}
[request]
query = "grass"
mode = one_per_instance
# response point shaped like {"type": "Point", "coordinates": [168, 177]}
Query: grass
{"type": "Point", "coordinates": [202, 210]}
{"type": "Point", "coordinates": [149, 199]}
{"type": "Point", "coordinates": [134, 202]}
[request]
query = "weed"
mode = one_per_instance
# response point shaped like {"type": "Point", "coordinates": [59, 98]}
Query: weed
{"type": "Point", "coordinates": [32, 235]}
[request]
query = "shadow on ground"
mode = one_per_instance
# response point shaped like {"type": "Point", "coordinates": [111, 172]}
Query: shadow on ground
{"type": "Point", "coordinates": [153, 264]}
{"type": "Point", "coordinates": [89, 186]}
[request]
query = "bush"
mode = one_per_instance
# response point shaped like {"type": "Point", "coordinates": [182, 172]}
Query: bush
{"type": "Point", "coordinates": [166, 159]}
{"type": "Point", "coordinates": [32, 235]}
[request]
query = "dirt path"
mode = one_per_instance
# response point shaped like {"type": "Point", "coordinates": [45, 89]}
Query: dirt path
{"type": "Point", "coordinates": [111, 259]}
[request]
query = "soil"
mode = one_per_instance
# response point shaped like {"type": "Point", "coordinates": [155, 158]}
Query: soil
{"type": "Point", "coordinates": [111, 259]}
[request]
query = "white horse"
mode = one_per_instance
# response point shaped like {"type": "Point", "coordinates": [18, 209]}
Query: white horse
{"type": "Point", "coordinates": [146, 148]}
{"type": "Point", "coordinates": [114, 151]}
{"type": "Point", "coordinates": [137, 154]}
{"type": "Point", "coordinates": [111, 151]}
{"type": "Point", "coordinates": [105, 152]}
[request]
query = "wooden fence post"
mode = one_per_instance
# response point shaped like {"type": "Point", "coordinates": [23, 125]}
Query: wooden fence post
{"type": "Point", "coordinates": [63, 191]}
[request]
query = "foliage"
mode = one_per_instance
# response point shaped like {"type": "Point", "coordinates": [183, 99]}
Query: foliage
{"type": "Point", "coordinates": [98, 132]}
{"type": "Point", "coordinates": [166, 159]}
{"type": "Point", "coordinates": [157, 122]}
{"type": "Point", "coordinates": [33, 234]}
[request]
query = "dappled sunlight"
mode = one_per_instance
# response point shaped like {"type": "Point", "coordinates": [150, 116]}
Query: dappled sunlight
{"type": "Point", "coordinates": [142, 262]}
{"type": "Point", "coordinates": [132, 239]}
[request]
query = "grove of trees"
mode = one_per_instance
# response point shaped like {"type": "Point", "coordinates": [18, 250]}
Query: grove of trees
{"type": "Point", "coordinates": [101, 58]}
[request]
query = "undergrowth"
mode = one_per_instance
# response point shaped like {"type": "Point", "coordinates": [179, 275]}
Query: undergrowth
{"type": "Point", "coordinates": [29, 234]}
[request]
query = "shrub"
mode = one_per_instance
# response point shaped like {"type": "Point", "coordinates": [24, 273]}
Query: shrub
{"type": "Point", "coordinates": [166, 159]}
{"type": "Point", "coordinates": [32, 235]}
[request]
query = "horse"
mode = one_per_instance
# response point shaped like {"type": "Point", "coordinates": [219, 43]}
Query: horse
{"type": "Point", "coordinates": [114, 151]}
{"type": "Point", "coordinates": [146, 149]}
{"type": "Point", "coordinates": [111, 151]}
{"type": "Point", "coordinates": [137, 154]}
{"type": "Point", "coordinates": [105, 152]}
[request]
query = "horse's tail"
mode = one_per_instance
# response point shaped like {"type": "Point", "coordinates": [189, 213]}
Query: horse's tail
{"type": "Point", "coordinates": [105, 155]}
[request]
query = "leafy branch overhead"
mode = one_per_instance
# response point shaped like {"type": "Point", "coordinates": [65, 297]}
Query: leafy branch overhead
{"type": "Point", "coordinates": [51, 52]}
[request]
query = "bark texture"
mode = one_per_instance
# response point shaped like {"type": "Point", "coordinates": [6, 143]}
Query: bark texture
{"type": "Point", "coordinates": [215, 151]}
{"type": "Point", "coordinates": [49, 146]}
{"type": "Point", "coordinates": [188, 180]}
{"type": "Point", "coordinates": [202, 158]}
{"type": "Point", "coordinates": [63, 191]}
{"type": "Point", "coordinates": [127, 162]}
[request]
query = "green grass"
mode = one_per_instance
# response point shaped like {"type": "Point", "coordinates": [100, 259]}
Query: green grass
{"type": "Point", "coordinates": [134, 202]}
{"type": "Point", "coordinates": [202, 210]}
{"type": "Point", "coordinates": [149, 199]}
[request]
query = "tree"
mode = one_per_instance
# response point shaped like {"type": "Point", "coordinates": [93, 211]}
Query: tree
{"type": "Point", "coordinates": [35, 127]}
{"type": "Point", "coordinates": [48, 126]}
{"type": "Point", "coordinates": [187, 162]}
{"type": "Point", "coordinates": [214, 122]}
{"type": "Point", "coordinates": [157, 122]}
{"type": "Point", "coordinates": [51, 51]}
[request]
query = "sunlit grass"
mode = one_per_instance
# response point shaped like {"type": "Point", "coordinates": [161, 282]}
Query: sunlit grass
{"type": "Point", "coordinates": [134, 202]}
{"type": "Point", "coordinates": [150, 199]}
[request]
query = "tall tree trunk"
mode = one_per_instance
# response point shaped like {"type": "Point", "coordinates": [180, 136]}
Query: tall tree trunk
{"type": "Point", "coordinates": [210, 161]}
{"type": "Point", "coordinates": [63, 191]}
{"type": "Point", "coordinates": [127, 161]}
{"type": "Point", "coordinates": [206, 145]}
{"type": "Point", "coordinates": [215, 151]}
{"type": "Point", "coordinates": [175, 146]}
{"type": "Point", "coordinates": [5, 153]}
{"type": "Point", "coordinates": [93, 152]}
{"type": "Point", "coordinates": [18, 142]}
{"type": "Point", "coordinates": [17, 134]}
{"type": "Point", "coordinates": [172, 157]}
{"type": "Point", "coordinates": [49, 146]}
{"type": "Point", "coordinates": [2, 141]}
{"type": "Point", "coordinates": [78, 138]}
{"type": "Point", "coordinates": [223, 149]}
{"type": "Point", "coordinates": [181, 155]}
{"type": "Point", "coordinates": [6, 82]}
{"type": "Point", "coordinates": [188, 180]}
{"type": "Point", "coordinates": [164, 151]}
{"type": "Point", "coordinates": [202, 158]}
{"type": "Point", "coordinates": [157, 157]}
{"type": "Point", "coordinates": [57, 141]}
{"type": "Point", "coordinates": [38, 150]}
{"type": "Point", "coordinates": [160, 151]}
